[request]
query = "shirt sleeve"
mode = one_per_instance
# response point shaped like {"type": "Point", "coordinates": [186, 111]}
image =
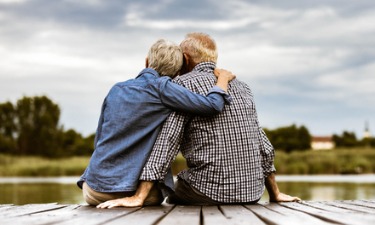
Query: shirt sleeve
{"type": "Point", "coordinates": [165, 148]}
{"type": "Point", "coordinates": [181, 99]}
{"type": "Point", "coordinates": [267, 153]}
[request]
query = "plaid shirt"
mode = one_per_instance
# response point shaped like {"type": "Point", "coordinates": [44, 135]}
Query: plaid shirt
{"type": "Point", "coordinates": [228, 155]}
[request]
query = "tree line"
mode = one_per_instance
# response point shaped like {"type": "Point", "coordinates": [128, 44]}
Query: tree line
{"type": "Point", "coordinates": [31, 127]}
{"type": "Point", "coordinates": [294, 138]}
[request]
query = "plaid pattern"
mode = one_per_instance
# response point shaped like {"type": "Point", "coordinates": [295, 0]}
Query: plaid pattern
{"type": "Point", "coordinates": [228, 154]}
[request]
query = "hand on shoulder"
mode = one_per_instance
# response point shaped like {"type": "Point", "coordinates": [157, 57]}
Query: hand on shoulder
{"type": "Point", "coordinates": [224, 73]}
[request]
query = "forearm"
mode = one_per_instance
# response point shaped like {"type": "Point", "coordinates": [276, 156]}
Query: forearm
{"type": "Point", "coordinates": [222, 82]}
{"type": "Point", "coordinates": [182, 99]}
{"type": "Point", "coordinates": [144, 189]}
{"type": "Point", "coordinates": [272, 188]}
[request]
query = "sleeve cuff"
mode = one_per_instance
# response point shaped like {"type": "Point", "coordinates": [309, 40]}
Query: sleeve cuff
{"type": "Point", "coordinates": [268, 171]}
{"type": "Point", "coordinates": [226, 96]}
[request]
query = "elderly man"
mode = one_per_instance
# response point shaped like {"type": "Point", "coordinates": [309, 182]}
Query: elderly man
{"type": "Point", "coordinates": [229, 157]}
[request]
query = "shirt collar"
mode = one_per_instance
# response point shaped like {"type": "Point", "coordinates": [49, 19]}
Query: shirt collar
{"type": "Point", "coordinates": [205, 67]}
{"type": "Point", "coordinates": [149, 71]}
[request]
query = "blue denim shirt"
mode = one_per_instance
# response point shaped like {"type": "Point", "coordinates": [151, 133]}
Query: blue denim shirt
{"type": "Point", "coordinates": [130, 120]}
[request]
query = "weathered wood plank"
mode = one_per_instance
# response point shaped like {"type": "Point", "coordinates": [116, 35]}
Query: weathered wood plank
{"type": "Point", "coordinates": [47, 217]}
{"type": "Point", "coordinates": [271, 216]}
{"type": "Point", "coordinates": [335, 217]}
{"type": "Point", "coordinates": [15, 211]}
{"type": "Point", "coordinates": [310, 212]}
{"type": "Point", "coordinates": [90, 215]}
{"type": "Point", "coordinates": [183, 215]}
{"type": "Point", "coordinates": [239, 215]}
{"type": "Point", "coordinates": [145, 216]}
{"type": "Point", "coordinates": [361, 203]}
{"type": "Point", "coordinates": [304, 218]}
{"type": "Point", "coordinates": [212, 215]}
{"type": "Point", "coordinates": [326, 207]}
{"type": "Point", "coordinates": [5, 207]}
{"type": "Point", "coordinates": [343, 205]}
{"type": "Point", "coordinates": [370, 200]}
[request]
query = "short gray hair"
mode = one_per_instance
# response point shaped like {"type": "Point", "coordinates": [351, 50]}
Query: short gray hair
{"type": "Point", "coordinates": [165, 57]}
{"type": "Point", "coordinates": [200, 47]}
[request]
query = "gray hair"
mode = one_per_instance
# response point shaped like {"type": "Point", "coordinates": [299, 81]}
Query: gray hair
{"type": "Point", "coordinates": [165, 57]}
{"type": "Point", "coordinates": [200, 47]}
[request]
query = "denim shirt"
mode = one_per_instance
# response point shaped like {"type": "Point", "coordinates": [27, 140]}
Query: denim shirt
{"type": "Point", "coordinates": [131, 118]}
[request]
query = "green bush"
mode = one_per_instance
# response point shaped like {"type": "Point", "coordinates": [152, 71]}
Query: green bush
{"type": "Point", "coordinates": [338, 161]}
{"type": "Point", "coordinates": [39, 166]}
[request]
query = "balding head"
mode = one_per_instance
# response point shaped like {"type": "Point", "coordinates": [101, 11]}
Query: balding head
{"type": "Point", "coordinates": [199, 47]}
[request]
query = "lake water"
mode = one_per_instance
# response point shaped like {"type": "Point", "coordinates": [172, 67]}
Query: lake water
{"type": "Point", "coordinates": [64, 190]}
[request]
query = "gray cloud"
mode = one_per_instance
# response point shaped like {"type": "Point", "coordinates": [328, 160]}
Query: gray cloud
{"type": "Point", "coordinates": [312, 62]}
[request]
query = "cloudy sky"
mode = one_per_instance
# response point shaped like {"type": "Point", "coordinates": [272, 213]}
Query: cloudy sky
{"type": "Point", "coordinates": [308, 63]}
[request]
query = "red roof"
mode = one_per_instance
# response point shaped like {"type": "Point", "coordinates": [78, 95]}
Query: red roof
{"type": "Point", "coordinates": [322, 139]}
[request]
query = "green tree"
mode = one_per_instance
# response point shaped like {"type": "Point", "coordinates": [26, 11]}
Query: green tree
{"type": "Point", "coordinates": [7, 127]}
{"type": "Point", "coordinates": [37, 126]}
{"type": "Point", "coordinates": [73, 143]}
{"type": "Point", "coordinates": [86, 147]}
{"type": "Point", "coordinates": [304, 138]}
{"type": "Point", "coordinates": [290, 138]}
{"type": "Point", "coordinates": [31, 127]}
{"type": "Point", "coordinates": [347, 139]}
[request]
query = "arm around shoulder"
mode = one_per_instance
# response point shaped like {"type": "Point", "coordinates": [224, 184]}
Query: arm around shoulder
{"type": "Point", "coordinates": [182, 99]}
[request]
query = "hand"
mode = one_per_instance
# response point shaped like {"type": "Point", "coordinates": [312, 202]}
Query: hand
{"type": "Point", "coordinates": [281, 197]}
{"type": "Point", "coordinates": [133, 201]}
{"type": "Point", "coordinates": [224, 73]}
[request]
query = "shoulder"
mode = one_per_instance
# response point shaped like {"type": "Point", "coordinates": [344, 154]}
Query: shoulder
{"type": "Point", "coordinates": [121, 85]}
{"type": "Point", "coordinates": [240, 86]}
{"type": "Point", "coordinates": [195, 78]}
{"type": "Point", "coordinates": [193, 75]}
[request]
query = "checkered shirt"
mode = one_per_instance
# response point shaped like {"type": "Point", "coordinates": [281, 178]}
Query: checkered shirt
{"type": "Point", "coordinates": [228, 155]}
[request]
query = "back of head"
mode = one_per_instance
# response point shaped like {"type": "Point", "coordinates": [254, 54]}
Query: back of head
{"type": "Point", "coordinates": [165, 57]}
{"type": "Point", "coordinates": [200, 47]}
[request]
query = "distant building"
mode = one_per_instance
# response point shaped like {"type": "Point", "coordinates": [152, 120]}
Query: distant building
{"type": "Point", "coordinates": [366, 133]}
{"type": "Point", "coordinates": [322, 143]}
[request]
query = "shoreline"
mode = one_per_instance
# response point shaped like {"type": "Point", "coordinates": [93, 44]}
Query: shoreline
{"type": "Point", "coordinates": [327, 178]}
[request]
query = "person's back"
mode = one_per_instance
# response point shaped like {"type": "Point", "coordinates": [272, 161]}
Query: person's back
{"type": "Point", "coordinates": [227, 154]}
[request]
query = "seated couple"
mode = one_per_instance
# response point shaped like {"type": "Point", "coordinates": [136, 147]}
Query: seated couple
{"type": "Point", "coordinates": [205, 113]}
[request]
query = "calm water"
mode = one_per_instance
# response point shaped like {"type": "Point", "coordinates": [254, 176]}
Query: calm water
{"type": "Point", "coordinates": [64, 189]}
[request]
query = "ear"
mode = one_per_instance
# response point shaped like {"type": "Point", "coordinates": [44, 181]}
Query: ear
{"type": "Point", "coordinates": [146, 62]}
{"type": "Point", "coordinates": [186, 59]}
{"type": "Point", "coordinates": [188, 63]}
{"type": "Point", "coordinates": [185, 64]}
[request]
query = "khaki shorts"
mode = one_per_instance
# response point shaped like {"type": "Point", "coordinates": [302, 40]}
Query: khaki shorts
{"type": "Point", "coordinates": [93, 197]}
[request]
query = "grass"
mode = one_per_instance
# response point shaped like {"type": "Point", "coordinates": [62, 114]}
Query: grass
{"type": "Point", "coordinates": [39, 166]}
{"type": "Point", "coordinates": [338, 161]}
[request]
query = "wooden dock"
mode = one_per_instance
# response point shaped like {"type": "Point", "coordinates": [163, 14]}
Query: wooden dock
{"type": "Point", "coordinates": [307, 212]}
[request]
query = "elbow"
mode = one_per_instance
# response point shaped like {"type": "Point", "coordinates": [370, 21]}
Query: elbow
{"type": "Point", "coordinates": [212, 110]}
{"type": "Point", "coordinates": [219, 109]}
{"type": "Point", "coordinates": [216, 109]}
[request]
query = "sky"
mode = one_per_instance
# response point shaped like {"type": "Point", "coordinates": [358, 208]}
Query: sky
{"type": "Point", "coordinates": [309, 63]}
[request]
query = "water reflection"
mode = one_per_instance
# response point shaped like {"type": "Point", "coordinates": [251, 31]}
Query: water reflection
{"type": "Point", "coordinates": [25, 191]}
{"type": "Point", "coordinates": [328, 191]}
